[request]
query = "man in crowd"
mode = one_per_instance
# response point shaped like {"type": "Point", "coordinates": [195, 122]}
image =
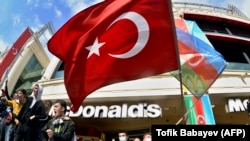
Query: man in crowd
{"type": "Point", "coordinates": [123, 136]}
{"type": "Point", "coordinates": [61, 127]}
{"type": "Point", "coordinates": [28, 124]}
{"type": "Point", "coordinates": [16, 103]}
{"type": "Point", "coordinates": [147, 137]}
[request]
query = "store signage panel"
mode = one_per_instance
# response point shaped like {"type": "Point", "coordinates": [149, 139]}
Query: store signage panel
{"type": "Point", "coordinates": [140, 110]}
{"type": "Point", "coordinates": [236, 105]}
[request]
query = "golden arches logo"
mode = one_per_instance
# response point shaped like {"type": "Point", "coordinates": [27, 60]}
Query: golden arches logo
{"type": "Point", "coordinates": [194, 83]}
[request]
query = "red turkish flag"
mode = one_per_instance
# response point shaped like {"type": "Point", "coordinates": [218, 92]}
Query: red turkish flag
{"type": "Point", "coordinates": [115, 41]}
{"type": "Point", "coordinates": [10, 56]}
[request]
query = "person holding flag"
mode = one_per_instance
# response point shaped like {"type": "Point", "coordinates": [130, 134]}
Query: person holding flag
{"type": "Point", "coordinates": [16, 105]}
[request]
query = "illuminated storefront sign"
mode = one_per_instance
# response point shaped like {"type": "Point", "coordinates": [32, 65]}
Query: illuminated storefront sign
{"type": "Point", "coordinates": [140, 110]}
{"type": "Point", "coordinates": [237, 105]}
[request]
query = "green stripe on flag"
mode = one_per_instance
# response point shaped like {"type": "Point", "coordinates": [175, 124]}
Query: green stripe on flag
{"type": "Point", "coordinates": [191, 116]}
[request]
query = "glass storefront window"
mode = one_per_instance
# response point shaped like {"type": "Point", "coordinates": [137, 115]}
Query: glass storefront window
{"type": "Point", "coordinates": [31, 73]}
{"type": "Point", "coordinates": [59, 73]}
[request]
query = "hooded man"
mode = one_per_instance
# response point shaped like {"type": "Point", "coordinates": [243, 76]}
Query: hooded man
{"type": "Point", "coordinates": [32, 111]}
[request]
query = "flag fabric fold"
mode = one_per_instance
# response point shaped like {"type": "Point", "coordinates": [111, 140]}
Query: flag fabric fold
{"type": "Point", "coordinates": [115, 41]}
{"type": "Point", "coordinates": [199, 110]}
{"type": "Point", "coordinates": [200, 63]}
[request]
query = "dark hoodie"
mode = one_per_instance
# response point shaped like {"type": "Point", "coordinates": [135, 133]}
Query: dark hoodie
{"type": "Point", "coordinates": [33, 106]}
{"type": "Point", "coordinates": [27, 127]}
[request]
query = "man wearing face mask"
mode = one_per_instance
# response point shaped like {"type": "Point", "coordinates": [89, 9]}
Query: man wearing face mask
{"type": "Point", "coordinates": [123, 136]}
{"type": "Point", "coordinates": [147, 137]}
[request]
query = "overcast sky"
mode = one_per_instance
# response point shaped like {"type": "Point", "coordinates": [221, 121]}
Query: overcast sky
{"type": "Point", "coordinates": [16, 15]}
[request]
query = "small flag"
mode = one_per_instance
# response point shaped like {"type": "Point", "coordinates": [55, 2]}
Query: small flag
{"type": "Point", "coordinates": [200, 63]}
{"type": "Point", "coordinates": [199, 110]}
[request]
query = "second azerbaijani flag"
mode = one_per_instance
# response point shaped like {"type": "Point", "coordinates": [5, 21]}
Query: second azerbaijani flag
{"type": "Point", "coordinates": [200, 63]}
{"type": "Point", "coordinates": [199, 110]}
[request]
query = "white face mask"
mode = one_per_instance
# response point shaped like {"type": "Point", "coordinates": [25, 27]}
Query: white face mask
{"type": "Point", "coordinates": [122, 139]}
{"type": "Point", "coordinates": [148, 139]}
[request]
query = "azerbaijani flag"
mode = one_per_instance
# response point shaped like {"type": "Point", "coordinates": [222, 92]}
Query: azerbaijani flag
{"type": "Point", "coordinates": [199, 110]}
{"type": "Point", "coordinates": [200, 63]}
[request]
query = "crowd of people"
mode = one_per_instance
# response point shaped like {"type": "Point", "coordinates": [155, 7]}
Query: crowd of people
{"type": "Point", "coordinates": [25, 117]}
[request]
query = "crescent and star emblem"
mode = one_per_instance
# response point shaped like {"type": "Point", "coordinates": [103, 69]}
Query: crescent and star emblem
{"type": "Point", "coordinates": [143, 36]}
{"type": "Point", "coordinates": [201, 119]}
{"type": "Point", "coordinates": [14, 51]}
{"type": "Point", "coordinates": [196, 62]}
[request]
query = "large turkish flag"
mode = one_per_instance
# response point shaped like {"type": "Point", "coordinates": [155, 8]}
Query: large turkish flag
{"type": "Point", "coordinates": [115, 41]}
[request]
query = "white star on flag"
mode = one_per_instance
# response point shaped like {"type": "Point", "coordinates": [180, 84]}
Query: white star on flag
{"type": "Point", "coordinates": [94, 49]}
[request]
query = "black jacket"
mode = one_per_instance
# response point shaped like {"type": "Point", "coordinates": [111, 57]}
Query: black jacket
{"type": "Point", "coordinates": [63, 133]}
{"type": "Point", "coordinates": [26, 112]}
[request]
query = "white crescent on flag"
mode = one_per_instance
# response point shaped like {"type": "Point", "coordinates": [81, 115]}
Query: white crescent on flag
{"type": "Point", "coordinates": [201, 119]}
{"type": "Point", "coordinates": [14, 50]}
{"type": "Point", "coordinates": [143, 34]}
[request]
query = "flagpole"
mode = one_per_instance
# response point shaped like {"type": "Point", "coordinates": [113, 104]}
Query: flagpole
{"type": "Point", "coordinates": [187, 111]}
{"type": "Point", "coordinates": [178, 58]}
